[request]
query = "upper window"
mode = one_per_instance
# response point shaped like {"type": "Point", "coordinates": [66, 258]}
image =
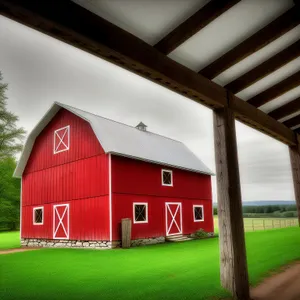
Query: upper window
{"type": "Point", "coordinates": [140, 212]}
{"type": "Point", "coordinates": [167, 177]}
{"type": "Point", "coordinates": [38, 216]}
{"type": "Point", "coordinates": [62, 139]}
{"type": "Point", "coordinates": [198, 213]}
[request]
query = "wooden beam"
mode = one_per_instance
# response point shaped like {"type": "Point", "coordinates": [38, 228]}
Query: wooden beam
{"type": "Point", "coordinates": [286, 110]}
{"type": "Point", "coordinates": [260, 39]}
{"type": "Point", "coordinates": [264, 69]}
{"type": "Point", "coordinates": [193, 24]}
{"type": "Point", "coordinates": [93, 34]}
{"type": "Point", "coordinates": [292, 122]}
{"type": "Point", "coordinates": [295, 164]}
{"type": "Point", "coordinates": [103, 39]}
{"type": "Point", "coordinates": [276, 90]}
{"type": "Point", "coordinates": [257, 119]}
{"type": "Point", "coordinates": [233, 263]}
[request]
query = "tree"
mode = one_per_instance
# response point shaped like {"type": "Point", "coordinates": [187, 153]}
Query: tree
{"type": "Point", "coordinates": [9, 195]}
{"type": "Point", "coordinates": [11, 135]}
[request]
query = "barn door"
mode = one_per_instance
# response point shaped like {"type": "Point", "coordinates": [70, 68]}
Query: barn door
{"type": "Point", "coordinates": [61, 221]}
{"type": "Point", "coordinates": [173, 218]}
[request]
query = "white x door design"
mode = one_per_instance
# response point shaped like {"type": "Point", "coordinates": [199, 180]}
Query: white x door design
{"type": "Point", "coordinates": [61, 221]}
{"type": "Point", "coordinates": [173, 218]}
{"type": "Point", "coordinates": [61, 139]}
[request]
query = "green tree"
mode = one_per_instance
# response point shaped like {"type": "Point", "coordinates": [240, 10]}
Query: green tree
{"type": "Point", "coordinates": [9, 195]}
{"type": "Point", "coordinates": [11, 135]}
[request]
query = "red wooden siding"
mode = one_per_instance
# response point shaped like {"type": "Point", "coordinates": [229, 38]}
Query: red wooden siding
{"type": "Point", "coordinates": [89, 220]}
{"type": "Point", "coordinates": [83, 143]}
{"type": "Point", "coordinates": [79, 179]}
{"type": "Point", "coordinates": [156, 226]}
{"type": "Point", "coordinates": [138, 181]}
{"type": "Point", "coordinates": [138, 177]}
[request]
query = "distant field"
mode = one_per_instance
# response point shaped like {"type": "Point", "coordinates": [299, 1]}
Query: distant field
{"type": "Point", "coordinates": [255, 224]}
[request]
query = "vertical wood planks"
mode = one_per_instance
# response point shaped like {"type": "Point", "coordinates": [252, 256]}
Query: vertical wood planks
{"type": "Point", "coordinates": [234, 273]}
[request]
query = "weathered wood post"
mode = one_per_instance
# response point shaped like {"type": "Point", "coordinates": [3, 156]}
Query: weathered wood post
{"type": "Point", "coordinates": [126, 233]}
{"type": "Point", "coordinates": [234, 273]}
{"type": "Point", "coordinates": [295, 164]}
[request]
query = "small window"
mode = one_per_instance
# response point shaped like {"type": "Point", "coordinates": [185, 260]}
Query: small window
{"type": "Point", "coordinates": [140, 212]}
{"type": "Point", "coordinates": [167, 177]}
{"type": "Point", "coordinates": [198, 213]}
{"type": "Point", "coordinates": [38, 216]}
{"type": "Point", "coordinates": [62, 139]}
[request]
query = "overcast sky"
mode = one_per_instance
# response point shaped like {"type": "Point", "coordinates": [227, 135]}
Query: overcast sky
{"type": "Point", "coordinates": [41, 70]}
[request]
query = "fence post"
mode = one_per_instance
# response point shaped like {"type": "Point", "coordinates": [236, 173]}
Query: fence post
{"type": "Point", "coordinates": [126, 233]}
{"type": "Point", "coordinates": [272, 224]}
{"type": "Point", "coordinates": [264, 225]}
{"type": "Point", "coordinates": [253, 224]}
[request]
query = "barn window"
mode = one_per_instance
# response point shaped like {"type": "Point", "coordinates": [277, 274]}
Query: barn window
{"type": "Point", "coordinates": [62, 139]}
{"type": "Point", "coordinates": [167, 177]}
{"type": "Point", "coordinates": [38, 216]}
{"type": "Point", "coordinates": [140, 212]}
{"type": "Point", "coordinates": [198, 213]}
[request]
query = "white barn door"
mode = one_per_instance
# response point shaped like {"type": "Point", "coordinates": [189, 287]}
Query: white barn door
{"type": "Point", "coordinates": [61, 221]}
{"type": "Point", "coordinates": [173, 218]}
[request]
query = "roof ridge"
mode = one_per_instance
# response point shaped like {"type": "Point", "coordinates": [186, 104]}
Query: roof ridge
{"type": "Point", "coordinates": [166, 137]}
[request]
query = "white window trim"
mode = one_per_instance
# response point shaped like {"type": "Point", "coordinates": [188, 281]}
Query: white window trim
{"type": "Point", "coordinates": [202, 213]}
{"type": "Point", "coordinates": [162, 177]}
{"type": "Point", "coordinates": [54, 135]}
{"type": "Point", "coordinates": [140, 203]}
{"type": "Point", "coordinates": [33, 215]}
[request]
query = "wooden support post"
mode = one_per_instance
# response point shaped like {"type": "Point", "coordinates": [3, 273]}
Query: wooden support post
{"type": "Point", "coordinates": [233, 262]}
{"type": "Point", "coordinates": [295, 164]}
{"type": "Point", "coordinates": [126, 233]}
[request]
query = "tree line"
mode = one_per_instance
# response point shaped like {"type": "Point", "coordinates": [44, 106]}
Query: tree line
{"type": "Point", "coordinates": [277, 211]}
{"type": "Point", "coordinates": [11, 138]}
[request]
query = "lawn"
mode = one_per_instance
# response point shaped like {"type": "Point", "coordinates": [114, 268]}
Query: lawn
{"type": "Point", "coordinates": [9, 240]}
{"type": "Point", "coordinates": [187, 270]}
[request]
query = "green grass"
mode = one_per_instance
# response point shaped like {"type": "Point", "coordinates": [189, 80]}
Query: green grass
{"type": "Point", "coordinates": [9, 240]}
{"type": "Point", "coordinates": [255, 224]}
{"type": "Point", "coordinates": [187, 270]}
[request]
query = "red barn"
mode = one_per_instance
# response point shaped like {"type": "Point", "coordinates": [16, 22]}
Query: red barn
{"type": "Point", "coordinates": [82, 174]}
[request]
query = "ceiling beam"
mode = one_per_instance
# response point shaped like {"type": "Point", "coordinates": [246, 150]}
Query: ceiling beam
{"type": "Point", "coordinates": [99, 37]}
{"type": "Point", "coordinates": [96, 35]}
{"type": "Point", "coordinates": [258, 40]}
{"type": "Point", "coordinates": [276, 90]}
{"type": "Point", "coordinates": [272, 64]}
{"type": "Point", "coordinates": [286, 110]}
{"type": "Point", "coordinates": [193, 24]}
{"type": "Point", "coordinates": [292, 122]}
{"type": "Point", "coordinates": [257, 119]}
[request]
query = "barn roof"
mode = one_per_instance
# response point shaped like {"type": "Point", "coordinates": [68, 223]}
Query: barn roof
{"type": "Point", "coordinates": [124, 140]}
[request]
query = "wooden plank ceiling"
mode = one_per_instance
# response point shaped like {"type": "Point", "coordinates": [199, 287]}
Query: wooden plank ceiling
{"type": "Point", "coordinates": [265, 59]}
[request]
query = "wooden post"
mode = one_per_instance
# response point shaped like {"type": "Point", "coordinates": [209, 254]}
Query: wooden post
{"type": "Point", "coordinates": [295, 164]}
{"type": "Point", "coordinates": [126, 233]}
{"type": "Point", "coordinates": [233, 263]}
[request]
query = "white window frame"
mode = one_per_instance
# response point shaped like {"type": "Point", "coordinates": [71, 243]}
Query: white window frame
{"type": "Point", "coordinates": [61, 140]}
{"type": "Point", "coordinates": [162, 177]}
{"type": "Point", "coordinates": [198, 205]}
{"type": "Point", "coordinates": [33, 215]}
{"type": "Point", "coordinates": [140, 203]}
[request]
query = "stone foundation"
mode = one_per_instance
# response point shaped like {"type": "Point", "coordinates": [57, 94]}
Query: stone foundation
{"type": "Point", "coordinates": [87, 244]}
{"type": "Point", "coordinates": [149, 241]}
{"type": "Point", "coordinates": [67, 244]}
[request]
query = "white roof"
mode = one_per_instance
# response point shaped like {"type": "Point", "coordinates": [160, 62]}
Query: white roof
{"type": "Point", "coordinates": [124, 140]}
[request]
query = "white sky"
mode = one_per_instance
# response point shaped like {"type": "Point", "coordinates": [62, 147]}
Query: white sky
{"type": "Point", "coordinates": [41, 70]}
